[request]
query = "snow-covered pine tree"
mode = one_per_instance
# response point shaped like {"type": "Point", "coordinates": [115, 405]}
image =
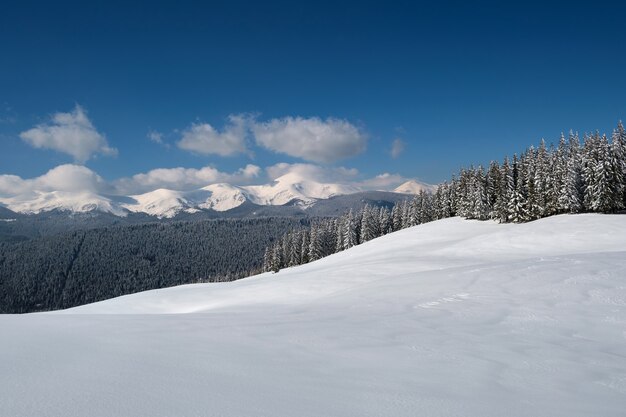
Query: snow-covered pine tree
{"type": "Point", "coordinates": [494, 189]}
{"type": "Point", "coordinates": [478, 195]}
{"type": "Point", "coordinates": [304, 247]}
{"type": "Point", "coordinates": [589, 159]}
{"type": "Point", "coordinates": [276, 258]}
{"type": "Point", "coordinates": [574, 184]}
{"type": "Point", "coordinates": [406, 214]}
{"type": "Point", "coordinates": [618, 165]}
{"type": "Point", "coordinates": [294, 248]}
{"type": "Point", "coordinates": [508, 186]}
{"type": "Point", "coordinates": [517, 204]}
{"type": "Point", "coordinates": [350, 237]}
{"type": "Point", "coordinates": [315, 243]}
{"type": "Point", "coordinates": [560, 159]}
{"type": "Point", "coordinates": [438, 203]}
{"type": "Point", "coordinates": [396, 216]}
{"type": "Point", "coordinates": [528, 165]}
{"type": "Point", "coordinates": [603, 195]}
{"type": "Point", "coordinates": [367, 225]}
{"type": "Point", "coordinates": [267, 260]}
{"type": "Point", "coordinates": [340, 232]}
{"type": "Point", "coordinates": [464, 198]}
{"type": "Point", "coordinates": [544, 181]}
{"type": "Point", "coordinates": [384, 221]}
{"type": "Point", "coordinates": [453, 196]}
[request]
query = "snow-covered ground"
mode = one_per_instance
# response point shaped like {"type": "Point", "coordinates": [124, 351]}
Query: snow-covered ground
{"type": "Point", "coordinates": [451, 318]}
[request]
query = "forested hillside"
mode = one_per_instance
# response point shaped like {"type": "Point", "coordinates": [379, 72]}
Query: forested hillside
{"type": "Point", "coordinates": [541, 182]}
{"type": "Point", "coordinates": [84, 266]}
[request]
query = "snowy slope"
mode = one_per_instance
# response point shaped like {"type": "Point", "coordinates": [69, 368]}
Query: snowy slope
{"type": "Point", "coordinates": [160, 203]}
{"type": "Point", "coordinates": [451, 318]}
{"type": "Point", "coordinates": [71, 201]}
{"type": "Point", "coordinates": [292, 187]}
{"type": "Point", "coordinates": [414, 187]}
{"type": "Point", "coordinates": [220, 197]}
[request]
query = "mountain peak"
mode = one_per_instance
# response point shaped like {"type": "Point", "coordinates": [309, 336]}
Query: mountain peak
{"type": "Point", "coordinates": [414, 187]}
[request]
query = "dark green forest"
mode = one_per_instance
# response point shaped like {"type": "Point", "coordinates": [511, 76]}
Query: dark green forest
{"type": "Point", "coordinates": [84, 266]}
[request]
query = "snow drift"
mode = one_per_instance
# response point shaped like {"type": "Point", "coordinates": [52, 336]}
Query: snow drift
{"type": "Point", "coordinates": [450, 318]}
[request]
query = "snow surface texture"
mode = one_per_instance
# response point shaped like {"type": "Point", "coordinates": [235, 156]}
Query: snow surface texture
{"type": "Point", "coordinates": [165, 203]}
{"type": "Point", "coordinates": [450, 318]}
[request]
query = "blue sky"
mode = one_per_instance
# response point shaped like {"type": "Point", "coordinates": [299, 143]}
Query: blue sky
{"type": "Point", "coordinates": [250, 84]}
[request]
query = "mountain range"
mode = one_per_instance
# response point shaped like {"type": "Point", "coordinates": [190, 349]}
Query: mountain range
{"type": "Point", "coordinates": [288, 190]}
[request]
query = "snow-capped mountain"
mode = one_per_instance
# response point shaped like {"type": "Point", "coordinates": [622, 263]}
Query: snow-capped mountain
{"type": "Point", "coordinates": [160, 203]}
{"type": "Point", "coordinates": [71, 201]}
{"type": "Point", "coordinates": [414, 187]}
{"type": "Point", "coordinates": [291, 189]}
{"type": "Point", "coordinates": [220, 197]}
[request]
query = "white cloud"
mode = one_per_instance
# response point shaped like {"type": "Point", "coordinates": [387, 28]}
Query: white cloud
{"type": "Point", "coordinates": [156, 137]}
{"type": "Point", "coordinates": [183, 178]}
{"type": "Point", "coordinates": [78, 178]}
{"type": "Point", "coordinates": [312, 139]}
{"type": "Point", "coordinates": [67, 177]}
{"type": "Point", "coordinates": [312, 172]}
{"type": "Point", "coordinates": [340, 175]}
{"type": "Point", "coordinates": [71, 133]}
{"type": "Point", "coordinates": [202, 138]}
{"type": "Point", "coordinates": [397, 147]}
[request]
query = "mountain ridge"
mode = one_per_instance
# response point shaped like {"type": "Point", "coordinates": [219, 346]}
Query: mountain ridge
{"type": "Point", "coordinates": [289, 189]}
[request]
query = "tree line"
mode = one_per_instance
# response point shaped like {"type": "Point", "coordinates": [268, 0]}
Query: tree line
{"type": "Point", "coordinates": [84, 266]}
{"type": "Point", "coordinates": [572, 177]}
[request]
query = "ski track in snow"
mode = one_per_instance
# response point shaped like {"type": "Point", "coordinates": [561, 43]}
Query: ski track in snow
{"type": "Point", "coordinates": [451, 318]}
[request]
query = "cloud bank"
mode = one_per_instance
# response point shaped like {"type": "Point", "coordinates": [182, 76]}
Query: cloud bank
{"type": "Point", "coordinates": [312, 139]}
{"type": "Point", "coordinates": [71, 133]}
{"type": "Point", "coordinates": [183, 178]}
{"type": "Point", "coordinates": [203, 139]}
{"type": "Point", "coordinates": [311, 172]}
{"type": "Point", "coordinates": [78, 178]}
{"type": "Point", "coordinates": [66, 177]}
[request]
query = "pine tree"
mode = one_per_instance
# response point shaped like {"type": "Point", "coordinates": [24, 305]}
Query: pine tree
{"type": "Point", "coordinates": [367, 225]}
{"type": "Point", "coordinates": [267, 260]}
{"type": "Point", "coordinates": [518, 212]}
{"type": "Point", "coordinates": [396, 216]}
{"type": "Point", "coordinates": [315, 243]}
{"type": "Point", "coordinates": [340, 225]}
{"type": "Point", "coordinates": [350, 237]}
{"type": "Point", "coordinates": [304, 247]}
{"type": "Point", "coordinates": [574, 184]}
{"type": "Point", "coordinates": [603, 188]}
{"type": "Point", "coordinates": [618, 165]}
{"type": "Point", "coordinates": [276, 259]}
{"type": "Point", "coordinates": [479, 208]}
{"type": "Point", "coordinates": [384, 220]}
{"type": "Point", "coordinates": [508, 187]}
{"type": "Point", "coordinates": [495, 192]}
{"type": "Point", "coordinates": [589, 160]}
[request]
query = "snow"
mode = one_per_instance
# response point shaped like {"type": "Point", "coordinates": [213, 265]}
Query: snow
{"type": "Point", "coordinates": [166, 203]}
{"type": "Point", "coordinates": [161, 203]}
{"type": "Point", "coordinates": [414, 187]}
{"type": "Point", "coordinates": [223, 197]}
{"type": "Point", "coordinates": [75, 202]}
{"type": "Point", "coordinates": [292, 187]}
{"type": "Point", "coordinates": [450, 318]}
